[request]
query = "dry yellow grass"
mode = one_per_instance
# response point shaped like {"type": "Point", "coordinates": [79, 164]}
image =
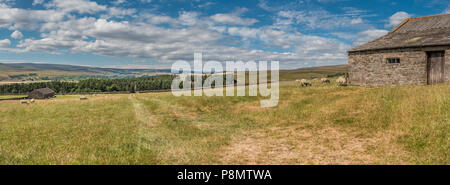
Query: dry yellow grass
{"type": "Point", "coordinates": [323, 124]}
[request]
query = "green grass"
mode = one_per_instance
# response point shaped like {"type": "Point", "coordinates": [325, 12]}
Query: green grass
{"type": "Point", "coordinates": [11, 96]}
{"type": "Point", "coordinates": [323, 124]}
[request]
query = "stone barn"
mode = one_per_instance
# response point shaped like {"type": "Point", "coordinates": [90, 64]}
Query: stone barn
{"type": "Point", "coordinates": [44, 93]}
{"type": "Point", "coordinates": [416, 52]}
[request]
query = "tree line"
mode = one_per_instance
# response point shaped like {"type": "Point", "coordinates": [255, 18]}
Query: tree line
{"type": "Point", "coordinates": [93, 85]}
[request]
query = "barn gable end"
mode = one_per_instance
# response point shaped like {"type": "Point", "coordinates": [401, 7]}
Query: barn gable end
{"type": "Point", "coordinates": [402, 56]}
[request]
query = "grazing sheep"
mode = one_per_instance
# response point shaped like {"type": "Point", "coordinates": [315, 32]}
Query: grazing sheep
{"type": "Point", "coordinates": [83, 98]}
{"type": "Point", "coordinates": [304, 82]}
{"type": "Point", "coordinates": [342, 81]}
{"type": "Point", "coordinates": [32, 101]}
{"type": "Point", "coordinates": [24, 102]}
{"type": "Point", "coordinates": [325, 80]}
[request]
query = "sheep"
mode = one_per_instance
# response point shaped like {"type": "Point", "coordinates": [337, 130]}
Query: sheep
{"type": "Point", "coordinates": [342, 81]}
{"type": "Point", "coordinates": [24, 102]}
{"type": "Point", "coordinates": [304, 82]}
{"type": "Point", "coordinates": [32, 101]}
{"type": "Point", "coordinates": [83, 98]}
{"type": "Point", "coordinates": [325, 80]}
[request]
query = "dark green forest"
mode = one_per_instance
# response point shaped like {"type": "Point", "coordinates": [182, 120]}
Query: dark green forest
{"type": "Point", "coordinates": [93, 85]}
{"type": "Point", "coordinates": [96, 85]}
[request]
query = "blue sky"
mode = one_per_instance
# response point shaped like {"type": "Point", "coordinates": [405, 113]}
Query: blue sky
{"type": "Point", "coordinates": [156, 33]}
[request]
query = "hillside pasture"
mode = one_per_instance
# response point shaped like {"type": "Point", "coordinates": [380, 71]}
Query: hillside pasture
{"type": "Point", "coordinates": [314, 72]}
{"type": "Point", "coordinates": [29, 72]}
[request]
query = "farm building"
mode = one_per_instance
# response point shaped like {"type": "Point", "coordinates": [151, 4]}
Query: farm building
{"type": "Point", "coordinates": [416, 52]}
{"type": "Point", "coordinates": [43, 93]}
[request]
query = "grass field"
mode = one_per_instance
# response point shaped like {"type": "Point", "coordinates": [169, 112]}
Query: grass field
{"type": "Point", "coordinates": [323, 124]}
{"type": "Point", "coordinates": [11, 96]}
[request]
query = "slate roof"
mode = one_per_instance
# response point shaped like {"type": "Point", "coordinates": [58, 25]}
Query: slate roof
{"type": "Point", "coordinates": [45, 91]}
{"type": "Point", "coordinates": [412, 33]}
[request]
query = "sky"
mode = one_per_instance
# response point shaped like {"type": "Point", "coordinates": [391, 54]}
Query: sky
{"type": "Point", "coordinates": [156, 33]}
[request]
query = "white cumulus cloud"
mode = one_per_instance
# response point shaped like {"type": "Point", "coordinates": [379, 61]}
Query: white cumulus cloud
{"type": "Point", "coordinates": [369, 35]}
{"type": "Point", "coordinates": [37, 2]}
{"type": "Point", "coordinates": [118, 2]}
{"type": "Point", "coordinates": [447, 11]}
{"type": "Point", "coordinates": [397, 18]}
{"type": "Point", "coordinates": [234, 18]}
{"type": "Point", "coordinates": [356, 21]}
{"type": "Point", "coordinates": [16, 35]}
{"type": "Point", "coordinates": [5, 43]}
{"type": "Point", "coordinates": [81, 6]}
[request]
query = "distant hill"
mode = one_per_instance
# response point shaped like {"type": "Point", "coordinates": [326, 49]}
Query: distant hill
{"type": "Point", "coordinates": [32, 71]}
{"type": "Point", "coordinates": [18, 72]}
{"type": "Point", "coordinates": [314, 72]}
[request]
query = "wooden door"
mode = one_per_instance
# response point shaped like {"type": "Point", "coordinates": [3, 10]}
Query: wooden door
{"type": "Point", "coordinates": [435, 67]}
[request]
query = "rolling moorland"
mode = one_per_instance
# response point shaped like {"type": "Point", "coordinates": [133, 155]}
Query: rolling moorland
{"type": "Point", "coordinates": [27, 72]}
{"type": "Point", "coordinates": [322, 124]}
{"type": "Point", "coordinates": [23, 78]}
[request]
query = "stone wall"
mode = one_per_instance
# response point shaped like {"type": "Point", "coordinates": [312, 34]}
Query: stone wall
{"type": "Point", "coordinates": [372, 69]}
